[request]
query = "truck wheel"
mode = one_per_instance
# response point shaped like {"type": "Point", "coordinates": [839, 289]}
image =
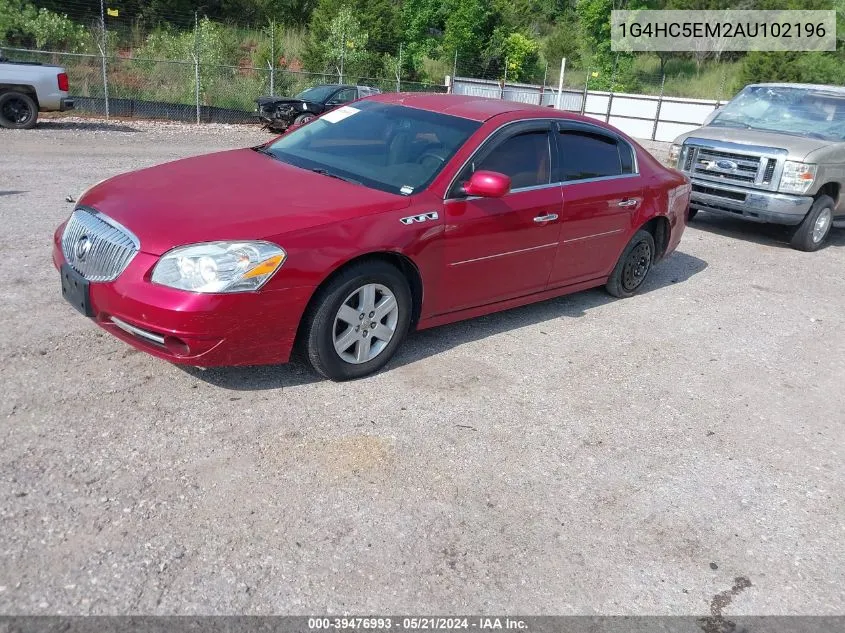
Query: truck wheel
{"type": "Point", "coordinates": [17, 111]}
{"type": "Point", "coordinates": [811, 234]}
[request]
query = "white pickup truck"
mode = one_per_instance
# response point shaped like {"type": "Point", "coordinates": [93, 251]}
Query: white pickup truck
{"type": "Point", "coordinates": [27, 88]}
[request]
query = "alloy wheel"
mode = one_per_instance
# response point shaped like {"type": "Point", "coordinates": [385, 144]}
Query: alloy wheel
{"type": "Point", "coordinates": [17, 111]}
{"type": "Point", "coordinates": [365, 323]}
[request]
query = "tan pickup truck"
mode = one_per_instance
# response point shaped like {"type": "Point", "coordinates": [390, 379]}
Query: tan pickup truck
{"type": "Point", "coordinates": [775, 153]}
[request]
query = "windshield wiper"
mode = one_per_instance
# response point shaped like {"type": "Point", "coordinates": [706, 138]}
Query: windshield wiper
{"type": "Point", "coordinates": [326, 172]}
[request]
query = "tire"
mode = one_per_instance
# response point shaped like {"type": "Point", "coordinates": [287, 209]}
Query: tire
{"type": "Point", "coordinates": [633, 266]}
{"type": "Point", "coordinates": [814, 229]}
{"type": "Point", "coordinates": [302, 119]}
{"type": "Point", "coordinates": [327, 326]}
{"type": "Point", "coordinates": [691, 213]}
{"type": "Point", "coordinates": [17, 111]}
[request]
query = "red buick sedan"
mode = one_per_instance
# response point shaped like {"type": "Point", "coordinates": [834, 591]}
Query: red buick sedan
{"type": "Point", "coordinates": [395, 212]}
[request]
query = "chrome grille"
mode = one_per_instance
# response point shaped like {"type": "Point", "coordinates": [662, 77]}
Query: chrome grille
{"type": "Point", "coordinates": [770, 171]}
{"type": "Point", "coordinates": [706, 164]}
{"type": "Point", "coordinates": [96, 246]}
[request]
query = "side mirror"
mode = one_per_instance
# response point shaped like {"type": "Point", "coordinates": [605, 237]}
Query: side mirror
{"type": "Point", "coordinates": [487, 184]}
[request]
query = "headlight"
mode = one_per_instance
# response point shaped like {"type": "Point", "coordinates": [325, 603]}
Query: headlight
{"type": "Point", "coordinates": [674, 154]}
{"type": "Point", "coordinates": [797, 177]}
{"type": "Point", "coordinates": [219, 266]}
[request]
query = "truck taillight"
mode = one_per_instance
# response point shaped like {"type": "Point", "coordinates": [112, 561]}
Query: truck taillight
{"type": "Point", "coordinates": [64, 85]}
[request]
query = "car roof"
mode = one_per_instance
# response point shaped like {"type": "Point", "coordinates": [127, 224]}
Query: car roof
{"type": "Point", "coordinates": [467, 106]}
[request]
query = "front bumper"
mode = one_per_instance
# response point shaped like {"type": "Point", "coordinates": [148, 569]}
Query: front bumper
{"type": "Point", "coordinates": [203, 330]}
{"type": "Point", "coordinates": [750, 204]}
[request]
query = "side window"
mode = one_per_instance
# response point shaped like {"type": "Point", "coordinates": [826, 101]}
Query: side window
{"type": "Point", "coordinates": [344, 96]}
{"type": "Point", "coordinates": [626, 155]}
{"type": "Point", "coordinates": [524, 157]}
{"type": "Point", "coordinates": [588, 155]}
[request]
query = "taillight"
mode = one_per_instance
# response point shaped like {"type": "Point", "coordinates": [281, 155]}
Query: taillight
{"type": "Point", "coordinates": [64, 85]}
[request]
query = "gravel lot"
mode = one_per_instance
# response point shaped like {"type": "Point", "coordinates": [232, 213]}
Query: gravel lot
{"type": "Point", "coordinates": [584, 455]}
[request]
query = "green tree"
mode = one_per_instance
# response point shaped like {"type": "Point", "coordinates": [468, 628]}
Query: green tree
{"type": "Point", "coordinates": [378, 19]}
{"type": "Point", "coordinates": [614, 70]}
{"type": "Point", "coordinates": [521, 56]}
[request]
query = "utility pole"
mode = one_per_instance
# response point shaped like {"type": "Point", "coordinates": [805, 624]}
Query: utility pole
{"type": "Point", "coordinates": [454, 72]}
{"type": "Point", "coordinates": [272, 62]}
{"type": "Point", "coordinates": [103, 47]}
{"type": "Point", "coordinates": [560, 83]}
{"type": "Point", "coordinates": [505, 80]}
{"type": "Point", "coordinates": [399, 70]}
{"type": "Point", "coordinates": [197, 64]}
{"type": "Point", "coordinates": [342, 51]}
{"type": "Point", "coordinates": [543, 87]}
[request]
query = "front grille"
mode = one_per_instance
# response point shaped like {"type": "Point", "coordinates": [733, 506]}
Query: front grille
{"type": "Point", "coordinates": [722, 193]}
{"type": "Point", "coordinates": [706, 165]}
{"type": "Point", "coordinates": [770, 171]}
{"type": "Point", "coordinates": [96, 246]}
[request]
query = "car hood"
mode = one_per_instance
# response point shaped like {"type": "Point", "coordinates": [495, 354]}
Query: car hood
{"type": "Point", "coordinates": [232, 195]}
{"type": "Point", "coordinates": [277, 101]}
{"type": "Point", "coordinates": [797, 146]}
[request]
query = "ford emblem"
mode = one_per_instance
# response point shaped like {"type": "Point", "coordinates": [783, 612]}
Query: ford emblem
{"type": "Point", "coordinates": [727, 165]}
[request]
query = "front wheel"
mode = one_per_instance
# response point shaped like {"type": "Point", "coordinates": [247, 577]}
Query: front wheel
{"type": "Point", "coordinates": [811, 234]}
{"type": "Point", "coordinates": [633, 266]}
{"type": "Point", "coordinates": [302, 119]}
{"type": "Point", "coordinates": [691, 213]}
{"type": "Point", "coordinates": [356, 323]}
{"type": "Point", "coordinates": [17, 111]}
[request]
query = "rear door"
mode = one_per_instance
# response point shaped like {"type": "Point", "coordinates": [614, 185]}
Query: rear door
{"type": "Point", "coordinates": [602, 193]}
{"type": "Point", "coordinates": [499, 248]}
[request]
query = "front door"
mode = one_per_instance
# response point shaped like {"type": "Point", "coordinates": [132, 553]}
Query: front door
{"type": "Point", "coordinates": [501, 248]}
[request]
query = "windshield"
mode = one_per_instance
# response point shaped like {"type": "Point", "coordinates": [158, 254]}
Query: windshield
{"type": "Point", "coordinates": [318, 94]}
{"type": "Point", "coordinates": [383, 146]}
{"type": "Point", "coordinates": [789, 110]}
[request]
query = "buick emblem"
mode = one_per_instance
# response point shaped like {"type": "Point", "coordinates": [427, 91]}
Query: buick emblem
{"type": "Point", "coordinates": [82, 248]}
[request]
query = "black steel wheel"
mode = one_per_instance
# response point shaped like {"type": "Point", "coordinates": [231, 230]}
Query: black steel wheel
{"type": "Point", "coordinates": [17, 111]}
{"type": "Point", "coordinates": [633, 266]}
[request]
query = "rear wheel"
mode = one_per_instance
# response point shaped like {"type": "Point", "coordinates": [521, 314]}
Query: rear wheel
{"type": "Point", "coordinates": [17, 111]}
{"type": "Point", "coordinates": [633, 266]}
{"type": "Point", "coordinates": [357, 322]}
{"type": "Point", "coordinates": [812, 233]}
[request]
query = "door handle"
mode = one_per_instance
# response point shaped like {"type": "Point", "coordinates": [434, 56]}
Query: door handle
{"type": "Point", "coordinates": [545, 218]}
{"type": "Point", "coordinates": [628, 202]}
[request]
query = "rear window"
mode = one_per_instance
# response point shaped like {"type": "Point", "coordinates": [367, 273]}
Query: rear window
{"type": "Point", "coordinates": [586, 155]}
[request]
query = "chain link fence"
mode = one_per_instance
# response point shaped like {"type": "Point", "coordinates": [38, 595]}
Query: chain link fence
{"type": "Point", "coordinates": [186, 90]}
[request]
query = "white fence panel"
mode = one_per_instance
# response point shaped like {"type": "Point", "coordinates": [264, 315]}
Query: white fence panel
{"type": "Point", "coordinates": [686, 111]}
{"type": "Point", "coordinates": [597, 103]}
{"type": "Point", "coordinates": [634, 106]}
{"type": "Point", "coordinates": [633, 114]}
{"type": "Point", "coordinates": [633, 127]}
